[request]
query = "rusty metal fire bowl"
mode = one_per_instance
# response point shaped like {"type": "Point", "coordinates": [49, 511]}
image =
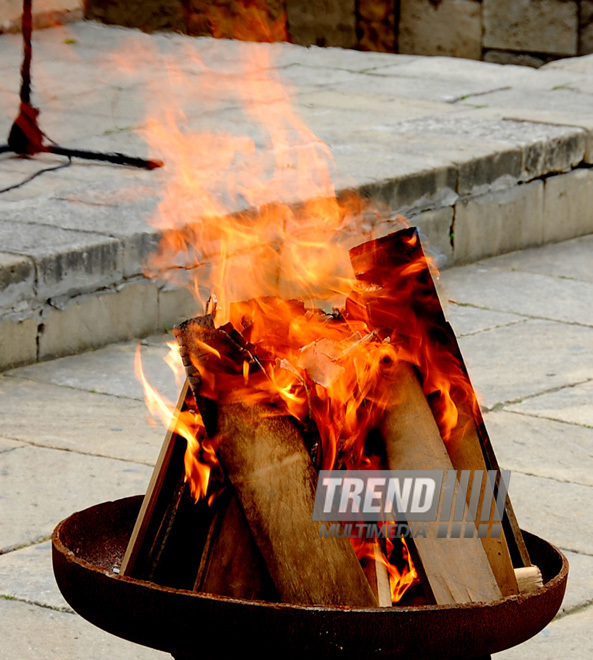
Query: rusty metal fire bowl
{"type": "Point", "coordinates": [89, 544]}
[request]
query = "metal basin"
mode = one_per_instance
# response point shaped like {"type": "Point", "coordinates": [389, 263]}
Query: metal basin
{"type": "Point", "coordinates": [89, 544]}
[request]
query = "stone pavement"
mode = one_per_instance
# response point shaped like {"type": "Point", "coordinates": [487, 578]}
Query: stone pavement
{"type": "Point", "coordinates": [525, 328]}
{"type": "Point", "coordinates": [484, 158]}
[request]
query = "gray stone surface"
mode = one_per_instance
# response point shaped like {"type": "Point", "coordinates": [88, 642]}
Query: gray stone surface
{"type": "Point", "coordinates": [579, 590]}
{"type": "Point", "coordinates": [534, 445]}
{"type": "Point", "coordinates": [533, 294]}
{"type": "Point", "coordinates": [7, 444]}
{"type": "Point", "coordinates": [109, 370]}
{"type": "Point", "coordinates": [569, 404]}
{"type": "Point", "coordinates": [539, 26]}
{"type": "Point", "coordinates": [553, 103]}
{"type": "Point", "coordinates": [120, 427]}
{"type": "Point", "coordinates": [19, 341]}
{"type": "Point", "coordinates": [452, 28]}
{"type": "Point", "coordinates": [555, 510]}
{"type": "Point", "coordinates": [567, 260]}
{"type": "Point", "coordinates": [568, 209]}
{"type": "Point", "coordinates": [569, 636]}
{"type": "Point", "coordinates": [65, 260]}
{"type": "Point", "coordinates": [76, 210]}
{"type": "Point", "coordinates": [27, 575]}
{"type": "Point", "coordinates": [31, 632]}
{"type": "Point", "coordinates": [496, 222]}
{"type": "Point", "coordinates": [425, 135]}
{"type": "Point", "coordinates": [17, 280]}
{"type": "Point", "coordinates": [502, 366]}
{"type": "Point", "coordinates": [87, 321]}
{"type": "Point", "coordinates": [41, 486]}
{"type": "Point", "coordinates": [49, 467]}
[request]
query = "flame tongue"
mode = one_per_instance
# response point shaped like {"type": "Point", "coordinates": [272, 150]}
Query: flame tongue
{"type": "Point", "coordinates": [302, 325]}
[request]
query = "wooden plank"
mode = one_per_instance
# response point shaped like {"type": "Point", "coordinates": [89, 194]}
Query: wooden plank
{"type": "Point", "coordinates": [476, 434]}
{"type": "Point", "coordinates": [265, 459]}
{"type": "Point", "coordinates": [172, 444]}
{"type": "Point", "coordinates": [375, 569]}
{"type": "Point", "coordinates": [231, 563]}
{"type": "Point", "coordinates": [401, 284]}
{"type": "Point", "coordinates": [457, 570]}
{"type": "Point", "coordinates": [465, 451]}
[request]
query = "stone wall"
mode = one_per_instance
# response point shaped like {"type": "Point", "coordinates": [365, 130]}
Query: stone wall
{"type": "Point", "coordinates": [530, 32]}
{"type": "Point", "coordinates": [45, 13]}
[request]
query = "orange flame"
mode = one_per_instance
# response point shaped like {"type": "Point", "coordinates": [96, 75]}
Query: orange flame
{"type": "Point", "coordinates": [199, 457]}
{"type": "Point", "coordinates": [251, 218]}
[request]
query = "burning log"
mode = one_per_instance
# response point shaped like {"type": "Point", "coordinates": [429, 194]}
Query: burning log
{"type": "Point", "coordinates": [309, 393]}
{"type": "Point", "coordinates": [457, 571]}
{"type": "Point", "coordinates": [397, 284]}
{"type": "Point", "coordinates": [265, 459]}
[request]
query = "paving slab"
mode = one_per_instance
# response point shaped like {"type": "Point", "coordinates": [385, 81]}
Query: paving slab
{"type": "Point", "coordinates": [569, 636]}
{"type": "Point", "coordinates": [31, 632]}
{"type": "Point", "coordinates": [124, 222]}
{"type": "Point", "coordinates": [83, 260]}
{"type": "Point", "coordinates": [558, 511]}
{"type": "Point", "coordinates": [27, 575]}
{"type": "Point", "coordinates": [540, 148]}
{"type": "Point", "coordinates": [569, 259]}
{"type": "Point", "coordinates": [41, 486]}
{"type": "Point", "coordinates": [519, 292]}
{"type": "Point", "coordinates": [579, 589]}
{"type": "Point", "coordinates": [120, 427]}
{"type": "Point", "coordinates": [110, 370]}
{"type": "Point", "coordinates": [558, 105]}
{"type": "Point", "coordinates": [503, 369]}
{"type": "Point", "coordinates": [541, 447]}
{"type": "Point", "coordinates": [568, 404]}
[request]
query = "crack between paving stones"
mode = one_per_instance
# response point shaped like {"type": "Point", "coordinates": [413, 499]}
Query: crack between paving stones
{"type": "Point", "coordinates": [64, 610]}
{"type": "Point", "coordinates": [548, 419]}
{"type": "Point", "coordinates": [27, 544]}
{"type": "Point", "coordinates": [529, 317]}
{"type": "Point", "coordinates": [6, 451]}
{"type": "Point", "coordinates": [558, 481]}
{"type": "Point", "coordinates": [501, 404]}
{"type": "Point", "coordinates": [577, 609]}
{"type": "Point", "coordinates": [493, 327]}
{"type": "Point", "coordinates": [30, 443]}
{"type": "Point", "coordinates": [471, 95]}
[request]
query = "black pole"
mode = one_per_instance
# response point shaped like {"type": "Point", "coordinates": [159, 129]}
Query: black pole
{"type": "Point", "coordinates": [27, 28]}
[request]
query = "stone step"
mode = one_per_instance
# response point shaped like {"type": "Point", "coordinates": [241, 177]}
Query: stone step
{"type": "Point", "coordinates": [483, 158]}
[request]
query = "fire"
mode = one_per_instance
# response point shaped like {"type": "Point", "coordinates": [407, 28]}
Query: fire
{"type": "Point", "coordinates": [200, 456]}
{"type": "Point", "coordinates": [253, 221]}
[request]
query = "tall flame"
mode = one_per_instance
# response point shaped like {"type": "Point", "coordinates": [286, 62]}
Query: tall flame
{"type": "Point", "coordinates": [250, 218]}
